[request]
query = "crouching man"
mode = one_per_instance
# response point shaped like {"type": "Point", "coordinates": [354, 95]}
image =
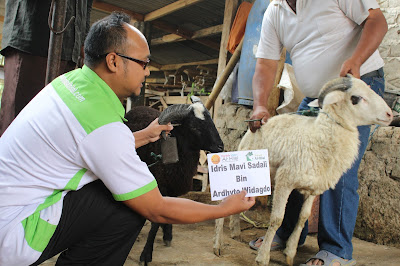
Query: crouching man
{"type": "Point", "coordinates": [70, 178]}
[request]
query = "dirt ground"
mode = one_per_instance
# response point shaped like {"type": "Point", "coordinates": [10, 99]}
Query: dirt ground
{"type": "Point", "coordinates": [193, 245]}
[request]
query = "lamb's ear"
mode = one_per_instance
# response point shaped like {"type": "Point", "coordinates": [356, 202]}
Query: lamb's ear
{"type": "Point", "coordinates": [333, 97]}
{"type": "Point", "coordinates": [314, 103]}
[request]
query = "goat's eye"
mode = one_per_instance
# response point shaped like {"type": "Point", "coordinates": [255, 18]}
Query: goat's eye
{"type": "Point", "coordinates": [355, 99]}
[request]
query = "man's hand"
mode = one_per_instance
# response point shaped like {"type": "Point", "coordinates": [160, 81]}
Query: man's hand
{"type": "Point", "coordinates": [350, 66]}
{"type": "Point", "coordinates": [151, 133]}
{"type": "Point", "coordinates": [237, 203]}
{"type": "Point", "coordinates": [154, 130]}
{"type": "Point", "coordinates": [262, 113]}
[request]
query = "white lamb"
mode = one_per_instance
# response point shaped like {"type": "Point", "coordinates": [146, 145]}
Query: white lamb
{"type": "Point", "coordinates": [310, 154]}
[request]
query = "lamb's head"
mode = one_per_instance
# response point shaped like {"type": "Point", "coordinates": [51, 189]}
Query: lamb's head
{"type": "Point", "coordinates": [196, 127]}
{"type": "Point", "coordinates": [354, 101]}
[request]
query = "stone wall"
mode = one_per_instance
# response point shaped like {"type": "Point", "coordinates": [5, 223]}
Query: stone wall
{"type": "Point", "coordinates": [231, 124]}
{"type": "Point", "coordinates": [378, 217]}
{"type": "Point", "coordinates": [390, 46]}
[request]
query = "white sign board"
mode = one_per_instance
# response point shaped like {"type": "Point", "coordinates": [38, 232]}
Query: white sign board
{"type": "Point", "coordinates": [232, 172]}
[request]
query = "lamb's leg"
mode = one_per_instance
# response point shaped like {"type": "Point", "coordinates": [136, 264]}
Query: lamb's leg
{"type": "Point", "coordinates": [167, 236]}
{"type": "Point", "coordinates": [281, 195]}
{"type": "Point", "coordinates": [291, 244]}
{"type": "Point", "coordinates": [147, 253]}
{"type": "Point", "coordinates": [234, 225]}
{"type": "Point", "coordinates": [219, 235]}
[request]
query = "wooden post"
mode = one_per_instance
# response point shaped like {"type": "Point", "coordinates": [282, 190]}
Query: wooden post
{"type": "Point", "coordinates": [224, 76]}
{"type": "Point", "coordinates": [56, 39]}
{"type": "Point", "coordinates": [231, 7]}
{"type": "Point", "coordinates": [145, 28]}
{"type": "Point", "coordinates": [273, 100]}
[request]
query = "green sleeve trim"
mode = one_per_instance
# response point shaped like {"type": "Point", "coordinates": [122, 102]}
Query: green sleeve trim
{"type": "Point", "coordinates": [136, 193]}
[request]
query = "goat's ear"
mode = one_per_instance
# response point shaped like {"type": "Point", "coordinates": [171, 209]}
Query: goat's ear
{"type": "Point", "coordinates": [314, 103]}
{"type": "Point", "coordinates": [334, 97]}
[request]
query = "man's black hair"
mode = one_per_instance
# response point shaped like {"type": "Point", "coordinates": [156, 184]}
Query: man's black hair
{"type": "Point", "coordinates": [106, 35]}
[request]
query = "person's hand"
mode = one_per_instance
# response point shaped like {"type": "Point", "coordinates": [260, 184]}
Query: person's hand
{"type": "Point", "coordinates": [237, 203]}
{"type": "Point", "coordinates": [154, 130]}
{"type": "Point", "coordinates": [350, 66]}
{"type": "Point", "coordinates": [259, 112]}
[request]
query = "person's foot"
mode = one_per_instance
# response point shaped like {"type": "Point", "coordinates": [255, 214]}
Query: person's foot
{"type": "Point", "coordinates": [275, 245]}
{"type": "Point", "coordinates": [321, 262]}
{"type": "Point", "coordinates": [325, 257]}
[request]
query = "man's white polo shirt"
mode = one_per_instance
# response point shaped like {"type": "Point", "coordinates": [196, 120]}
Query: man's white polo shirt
{"type": "Point", "coordinates": [69, 135]}
{"type": "Point", "coordinates": [320, 37]}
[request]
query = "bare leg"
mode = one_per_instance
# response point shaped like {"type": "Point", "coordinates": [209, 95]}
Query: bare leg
{"type": "Point", "coordinates": [281, 195]}
{"type": "Point", "coordinates": [291, 244]}
{"type": "Point", "coordinates": [218, 237]}
{"type": "Point", "coordinates": [234, 225]}
{"type": "Point", "coordinates": [147, 254]}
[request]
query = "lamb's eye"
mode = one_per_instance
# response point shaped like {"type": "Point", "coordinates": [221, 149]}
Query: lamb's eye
{"type": "Point", "coordinates": [355, 99]}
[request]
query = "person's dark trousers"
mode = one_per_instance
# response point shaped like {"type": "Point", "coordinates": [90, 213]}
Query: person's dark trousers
{"type": "Point", "coordinates": [94, 229]}
{"type": "Point", "coordinates": [24, 77]}
{"type": "Point", "coordinates": [338, 207]}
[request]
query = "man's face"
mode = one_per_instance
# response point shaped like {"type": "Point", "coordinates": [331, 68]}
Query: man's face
{"type": "Point", "coordinates": [134, 74]}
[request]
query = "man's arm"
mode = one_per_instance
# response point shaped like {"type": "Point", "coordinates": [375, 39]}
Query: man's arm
{"type": "Point", "coordinates": [156, 208]}
{"type": "Point", "coordinates": [263, 82]}
{"type": "Point", "coordinates": [150, 133]}
{"type": "Point", "coordinates": [374, 29]}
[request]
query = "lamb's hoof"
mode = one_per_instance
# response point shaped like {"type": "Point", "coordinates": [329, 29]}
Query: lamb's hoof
{"type": "Point", "coordinates": [143, 263]}
{"type": "Point", "coordinates": [289, 261]}
{"type": "Point", "coordinates": [217, 252]}
{"type": "Point", "coordinates": [236, 237]}
{"type": "Point", "coordinates": [262, 261]}
{"type": "Point", "coordinates": [167, 243]}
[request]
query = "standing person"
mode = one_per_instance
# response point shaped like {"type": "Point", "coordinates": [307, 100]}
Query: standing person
{"type": "Point", "coordinates": [25, 45]}
{"type": "Point", "coordinates": [70, 178]}
{"type": "Point", "coordinates": [325, 39]}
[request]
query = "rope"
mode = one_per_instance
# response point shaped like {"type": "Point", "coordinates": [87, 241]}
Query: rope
{"type": "Point", "coordinates": [248, 220]}
{"type": "Point", "coordinates": [156, 157]}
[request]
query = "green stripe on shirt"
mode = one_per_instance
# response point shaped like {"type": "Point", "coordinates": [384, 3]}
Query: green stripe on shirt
{"type": "Point", "coordinates": [90, 99]}
{"type": "Point", "coordinates": [136, 193]}
{"type": "Point", "coordinates": [38, 232]}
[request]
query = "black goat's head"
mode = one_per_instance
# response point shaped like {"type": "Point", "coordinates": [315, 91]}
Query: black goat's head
{"type": "Point", "coordinates": [196, 125]}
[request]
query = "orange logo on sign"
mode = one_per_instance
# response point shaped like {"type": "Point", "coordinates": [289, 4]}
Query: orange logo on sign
{"type": "Point", "coordinates": [215, 159]}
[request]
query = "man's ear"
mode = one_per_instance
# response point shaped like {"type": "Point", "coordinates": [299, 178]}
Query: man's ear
{"type": "Point", "coordinates": [111, 62]}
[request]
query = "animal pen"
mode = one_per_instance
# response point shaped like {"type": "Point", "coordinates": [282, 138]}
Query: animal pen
{"type": "Point", "coordinates": [188, 42]}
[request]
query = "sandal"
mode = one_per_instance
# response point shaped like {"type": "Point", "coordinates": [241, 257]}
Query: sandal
{"type": "Point", "coordinates": [277, 243]}
{"type": "Point", "coordinates": [329, 258]}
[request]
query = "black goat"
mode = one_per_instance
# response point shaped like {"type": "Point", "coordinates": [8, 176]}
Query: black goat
{"type": "Point", "coordinates": [195, 131]}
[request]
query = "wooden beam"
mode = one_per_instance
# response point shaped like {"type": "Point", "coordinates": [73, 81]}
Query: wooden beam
{"type": "Point", "coordinates": [177, 66]}
{"type": "Point", "coordinates": [169, 9]}
{"type": "Point", "coordinates": [2, 18]}
{"type": "Point", "coordinates": [108, 8]}
{"type": "Point", "coordinates": [172, 29]}
{"type": "Point", "coordinates": [207, 31]}
{"type": "Point", "coordinates": [184, 33]}
{"type": "Point", "coordinates": [231, 7]}
{"type": "Point", "coordinates": [197, 34]}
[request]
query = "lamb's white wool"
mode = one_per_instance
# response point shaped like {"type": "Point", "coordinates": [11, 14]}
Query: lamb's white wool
{"type": "Point", "coordinates": [310, 154]}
